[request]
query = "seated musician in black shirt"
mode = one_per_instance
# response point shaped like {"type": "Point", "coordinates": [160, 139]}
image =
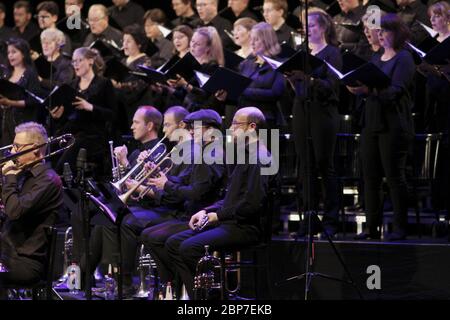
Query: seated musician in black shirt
{"type": "Point", "coordinates": [235, 220]}
{"type": "Point", "coordinates": [144, 213]}
{"type": "Point", "coordinates": [199, 187]}
{"type": "Point", "coordinates": [32, 197]}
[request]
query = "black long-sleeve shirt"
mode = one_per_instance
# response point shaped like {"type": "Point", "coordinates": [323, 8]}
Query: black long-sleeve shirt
{"type": "Point", "coordinates": [390, 108]}
{"type": "Point", "coordinates": [349, 39]}
{"type": "Point", "coordinates": [110, 34]}
{"type": "Point", "coordinates": [266, 88]}
{"type": "Point", "coordinates": [101, 95]}
{"type": "Point", "coordinates": [246, 189]}
{"type": "Point", "coordinates": [30, 31]}
{"type": "Point", "coordinates": [191, 186]}
{"type": "Point", "coordinates": [198, 98]}
{"type": "Point", "coordinates": [64, 73]}
{"type": "Point", "coordinates": [127, 15]}
{"type": "Point", "coordinates": [132, 88]}
{"type": "Point", "coordinates": [32, 201]}
{"type": "Point", "coordinates": [32, 112]}
{"type": "Point", "coordinates": [324, 89]}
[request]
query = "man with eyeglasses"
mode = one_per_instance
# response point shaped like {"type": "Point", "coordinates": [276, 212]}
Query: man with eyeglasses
{"type": "Point", "coordinates": [98, 20]}
{"type": "Point", "coordinates": [32, 197]}
{"type": "Point", "coordinates": [208, 14]}
{"type": "Point", "coordinates": [47, 17]}
{"type": "Point", "coordinates": [25, 28]}
{"type": "Point", "coordinates": [233, 221]}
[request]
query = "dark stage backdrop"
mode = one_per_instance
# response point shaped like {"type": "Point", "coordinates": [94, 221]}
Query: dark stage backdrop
{"type": "Point", "coordinates": [147, 4]}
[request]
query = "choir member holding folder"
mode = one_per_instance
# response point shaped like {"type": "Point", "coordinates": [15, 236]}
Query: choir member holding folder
{"type": "Point", "coordinates": [206, 48]}
{"type": "Point", "coordinates": [268, 85]}
{"type": "Point", "coordinates": [387, 129]}
{"type": "Point", "coordinates": [318, 118]}
{"type": "Point", "coordinates": [438, 83]}
{"type": "Point", "coordinates": [437, 115]}
{"type": "Point", "coordinates": [52, 41]}
{"type": "Point", "coordinates": [24, 107]}
{"type": "Point", "coordinates": [132, 91]}
{"type": "Point", "coordinates": [89, 115]}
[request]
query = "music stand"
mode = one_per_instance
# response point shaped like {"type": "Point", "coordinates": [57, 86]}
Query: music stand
{"type": "Point", "coordinates": [310, 214]}
{"type": "Point", "coordinates": [114, 209]}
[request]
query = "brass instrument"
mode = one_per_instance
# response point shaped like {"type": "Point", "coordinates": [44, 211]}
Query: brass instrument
{"type": "Point", "coordinates": [208, 278]}
{"type": "Point", "coordinates": [146, 268]}
{"type": "Point", "coordinates": [155, 154]}
{"type": "Point", "coordinates": [125, 196]}
{"type": "Point", "coordinates": [67, 253]}
{"type": "Point", "coordinates": [116, 174]}
{"type": "Point", "coordinates": [64, 142]}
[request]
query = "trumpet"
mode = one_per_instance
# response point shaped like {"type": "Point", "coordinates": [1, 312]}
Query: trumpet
{"type": "Point", "coordinates": [64, 142]}
{"type": "Point", "coordinates": [124, 197]}
{"type": "Point", "coordinates": [155, 154]}
{"type": "Point", "coordinates": [116, 174]}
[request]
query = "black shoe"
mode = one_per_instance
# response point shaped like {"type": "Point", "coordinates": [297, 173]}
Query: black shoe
{"type": "Point", "coordinates": [396, 236]}
{"type": "Point", "coordinates": [368, 236]}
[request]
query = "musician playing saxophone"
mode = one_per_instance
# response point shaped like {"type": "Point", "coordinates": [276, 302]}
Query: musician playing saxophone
{"type": "Point", "coordinates": [32, 196]}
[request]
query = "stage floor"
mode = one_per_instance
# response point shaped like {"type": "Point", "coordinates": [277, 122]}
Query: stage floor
{"type": "Point", "coordinates": [410, 269]}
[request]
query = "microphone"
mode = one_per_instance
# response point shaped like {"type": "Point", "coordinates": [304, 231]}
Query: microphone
{"type": "Point", "coordinates": [67, 175]}
{"type": "Point", "coordinates": [81, 164]}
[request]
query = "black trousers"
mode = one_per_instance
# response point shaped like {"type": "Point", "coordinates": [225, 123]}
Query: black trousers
{"type": "Point", "coordinates": [186, 248]}
{"type": "Point", "coordinates": [22, 271]}
{"type": "Point", "coordinates": [385, 154]}
{"type": "Point", "coordinates": [322, 122]}
{"type": "Point", "coordinates": [103, 240]}
{"type": "Point", "coordinates": [154, 238]}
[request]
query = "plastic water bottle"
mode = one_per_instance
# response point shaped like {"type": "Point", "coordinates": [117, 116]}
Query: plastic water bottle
{"type": "Point", "coordinates": [110, 285]}
{"type": "Point", "coordinates": [73, 278]}
{"type": "Point", "coordinates": [169, 294]}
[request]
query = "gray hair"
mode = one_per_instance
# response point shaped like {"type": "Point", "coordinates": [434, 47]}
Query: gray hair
{"type": "Point", "coordinates": [53, 34]}
{"type": "Point", "coordinates": [35, 132]}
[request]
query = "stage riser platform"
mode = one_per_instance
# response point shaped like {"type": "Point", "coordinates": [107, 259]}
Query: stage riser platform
{"type": "Point", "coordinates": [408, 271]}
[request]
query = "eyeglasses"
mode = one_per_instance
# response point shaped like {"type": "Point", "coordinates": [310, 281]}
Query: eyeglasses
{"type": "Point", "coordinates": [77, 62]}
{"type": "Point", "coordinates": [95, 20]}
{"type": "Point", "coordinates": [236, 123]}
{"type": "Point", "coordinates": [18, 146]}
{"type": "Point", "coordinates": [42, 17]}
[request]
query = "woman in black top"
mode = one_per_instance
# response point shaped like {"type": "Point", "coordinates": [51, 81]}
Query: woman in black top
{"type": "Point", "coordinates": [437, 115]}
{"type": "Point", "coordinates": [267, 85]}
{"type": "Point", "coordinates": [388, 130]}
{"type": "Point", "coordinates": [22, 73]}
{"type": "Point", "coordinates": [206, 47]}
{"type": "Point", "coordinates": [52, 40]}
{"type": "Point", "coordinates": [132, 92]}
{"type": "Point", "coordinates": [316, 116]}
{"type": "Point", "coordinates": [90, 117]}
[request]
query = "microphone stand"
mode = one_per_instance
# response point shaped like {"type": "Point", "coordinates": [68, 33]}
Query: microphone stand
{"type": "Point", "coordinates": [311, 214]}
{"type": "Point", "coordinates": [86, 229]}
